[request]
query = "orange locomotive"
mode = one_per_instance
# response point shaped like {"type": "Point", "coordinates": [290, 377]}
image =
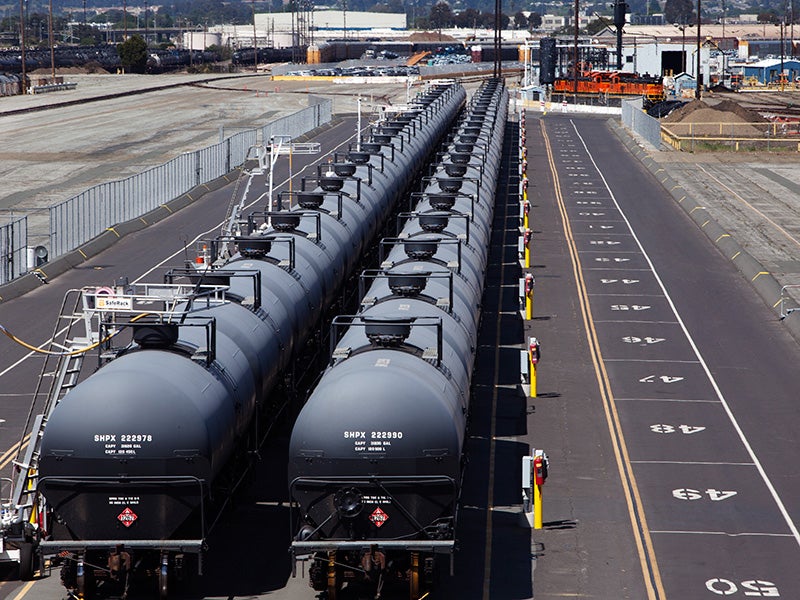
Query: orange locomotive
{"type": "Point", "coordinates": [613, 83]}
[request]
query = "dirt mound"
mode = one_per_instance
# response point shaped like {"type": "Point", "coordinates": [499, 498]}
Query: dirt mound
{"type": "Point", "coordinates": [726, 111]}
{"type": "Point", "coordinates": [726, 118]}
{"type": "Point", "coordinates": [89, 68]}
{"type": "Point", "coordinates": [430, 36]}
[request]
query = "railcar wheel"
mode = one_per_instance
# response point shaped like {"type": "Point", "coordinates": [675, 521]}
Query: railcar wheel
{"type": "Point", "coordinates": [27, 561]}
{"type": "Point", "coordinates": [163, 577]}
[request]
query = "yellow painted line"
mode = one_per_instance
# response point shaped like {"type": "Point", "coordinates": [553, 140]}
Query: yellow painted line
{"type": "Point", "coordinates": [168, 208]}
{"type": "Point", "coordinates": [659, 170]}
{"type": "Point", "coordinates": [663, 180]}
{"type": "Point", "coordinates": [11, 453]}
{"type": "Point", "coordinates": [697, 208]}
{"type": "Point", "coordinates": [735, 255]}
{"type": "Point", "coordinates": [189, 196]}
{"type": "Point", "coordinates": [641, 533]}
{"type": "Point", "coordinates": [112, 230]}
{"type": "Point", "coordinates": [25, 589]}
{"type": "Point", "coordinates": [706, 223]}
{"type": "Point", "coordinates": [675, 187]}
{"type": "Point", "coordinates": [40, 272]}
{"type": "Point", "coordinates": [83, 254]}
{"type": "Point", "coordinates": [759, 274]}
{"type": "Point", "coordinates": [777, 303]}
{"type": "Point", "coordinates": [143, 221]}
{"type": "Point", "coordinates": [724, 235]}
{"type": "Point", "coordinates": [682, 198]}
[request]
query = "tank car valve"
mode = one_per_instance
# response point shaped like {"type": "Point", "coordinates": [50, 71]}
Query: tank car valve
{"type": "Point", "coordinates": [527, 243]}
{"type": "Point", "coordinates": [534, 354]}
{"type": "Point", "coordinates": [534, 474]}
{"type": "Point", "coordinates": [529, 283]}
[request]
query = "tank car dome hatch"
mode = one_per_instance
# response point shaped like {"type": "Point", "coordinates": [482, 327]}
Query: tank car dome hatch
{"type": "Point", "coordinates": [450, 184]}
{"type": "Point", "coordinates": [421, 250]}
{"type": "Point", "coordinates": [382, 138]}
{"type": "Point", "coordinates": [475, 131]}
{"type": "Point", "coordinates": [155, 335]}
{"type": "Point", "coordinates": [310, 200]}
{"type": "Point", "coordinates": [285, 222]}
{"type": "Point", "coordinates": [468, 139]}
{"type": "Point", "coordinates": [344, 169]}
{"type": "Point", "coordinates": [442, 201]}
{"type": "Point", "coordinates": [386, 332]}
{"type": "Point", "coordinates": [462, 155]}
{"type": "Point", "coordinates": [455, 169]}
{"type": "Point", "coordinates": [359, 158]}
{"type": "Point", "coordinates": [408, 284]}
{"type": "Point", "coordinates": [330, 182]}
{"type": "Point", "coordinates": [433, 222]}
{"type": "Point", "coordinates": [254, 247]}
{"type": "Point", "coordinates": [371, 148]}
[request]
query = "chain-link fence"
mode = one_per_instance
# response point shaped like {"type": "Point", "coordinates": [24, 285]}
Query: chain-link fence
{"type": "Point", "coordinates": [85, 216]}
{"type": "Point", "coordinates": [13, 249]}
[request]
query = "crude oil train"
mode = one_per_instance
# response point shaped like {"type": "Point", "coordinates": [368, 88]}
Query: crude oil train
{"type": "Point", "coordinates": [376, 453]}
{"type": "Point", "coordinates": [133, 457]}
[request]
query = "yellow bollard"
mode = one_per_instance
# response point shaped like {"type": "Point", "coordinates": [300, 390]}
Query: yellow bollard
{"type": "Point", "coordinates": [537, 506]}
{"type": "Point", "coordinates": [529, 281]}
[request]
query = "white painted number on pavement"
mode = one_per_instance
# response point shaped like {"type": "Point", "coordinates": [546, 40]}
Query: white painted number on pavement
{"type": "Point", "coordinates": [636, 340]}
{"type": "Point", "coordinates": [664, 428]}
{"type": "Point", "coordinates": [714, 495]}
{"type": "Point", "coordinates": [752, 587]}
{"type": "Point", "coordinates": [631, 307]}
{"type": "Point", "coordinates": [664, 378]}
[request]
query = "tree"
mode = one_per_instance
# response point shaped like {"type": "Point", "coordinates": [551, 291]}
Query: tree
{"type": "Point", "coordinates": [768, 17]}
{"type": "Point", "coordinates": [468, 19]}
{"type": "Point", "coordinates": [534, 21]}
{"type": "Point", "coordinates": [133, 54]}
{"type": "Point", "coordinates": [520, 20]}
{"type": "Point", "coordinates": [653, 7]}
{"type": "Point", "coordinates": [679, 11]}
{"type": "Point", "coordinates": [441, 15]}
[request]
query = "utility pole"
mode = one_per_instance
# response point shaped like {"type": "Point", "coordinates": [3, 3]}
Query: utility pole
{"type": "Point", "coordinates": [50, 40]}
{"type": "Point", "coordinates": [23, 86]}
{"type": "Point", "coordinates": [498, 47]}
{"type": "Point", "coordinates": [697, 93]}
{"type": "Point", "coordinates": [255, 38]}
{"type": "Point", "coordinates": [575, 51]}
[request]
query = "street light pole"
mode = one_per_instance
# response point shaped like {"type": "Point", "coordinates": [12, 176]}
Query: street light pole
{"type": "Point", "coordinates": [697, 93]}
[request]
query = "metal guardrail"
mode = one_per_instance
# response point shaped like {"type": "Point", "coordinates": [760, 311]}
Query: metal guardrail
{"type": "Point", "coordinates": [77, 220]}
{"type": "Point", "coordinates": [90, 213]}
{"type": "Point", "coordinates": [732, 136]}
{"type": "Point", "coordinates": [635, 119]}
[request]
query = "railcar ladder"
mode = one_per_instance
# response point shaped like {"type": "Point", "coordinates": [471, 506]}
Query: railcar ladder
{"type": "Point", "coordinates": [64, 356]}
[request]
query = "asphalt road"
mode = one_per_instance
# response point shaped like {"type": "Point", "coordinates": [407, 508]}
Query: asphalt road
{"type": "Point", "coordinates": [695, 384]}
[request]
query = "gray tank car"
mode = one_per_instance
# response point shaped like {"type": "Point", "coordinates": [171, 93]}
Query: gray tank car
{"type": "Point", "coordinates": [130, 455]}
{"type": "Point", "coordinates": [376, 454]}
